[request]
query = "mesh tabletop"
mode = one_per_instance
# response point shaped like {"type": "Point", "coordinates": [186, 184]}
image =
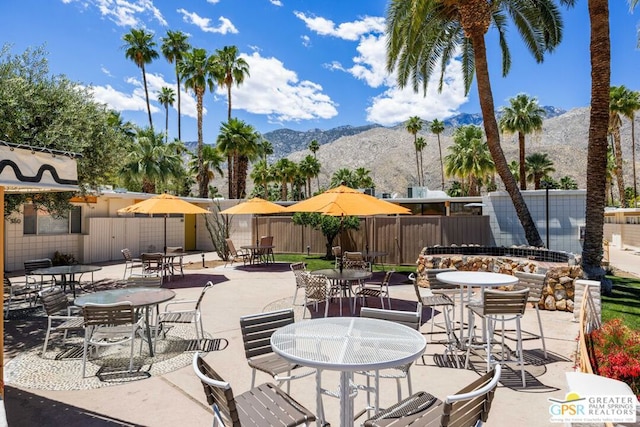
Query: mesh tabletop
{"type": "Point", "coordinates": [139, 297]}
{"type": "Point", "coordinates": [348, 343]}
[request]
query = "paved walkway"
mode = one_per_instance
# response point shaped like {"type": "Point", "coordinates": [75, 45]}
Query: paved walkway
{"type": "Point", "coordinates": [177, 399]}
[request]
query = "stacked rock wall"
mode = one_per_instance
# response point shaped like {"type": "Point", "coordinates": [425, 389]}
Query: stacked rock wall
{"type": "Point", "coordinates": [558, 292]}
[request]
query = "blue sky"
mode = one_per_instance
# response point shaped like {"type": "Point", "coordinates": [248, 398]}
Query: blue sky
{"type": "Point", "coordinates": [313, 63]}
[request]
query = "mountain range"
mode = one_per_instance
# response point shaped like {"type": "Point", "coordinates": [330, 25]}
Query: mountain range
{"type": "Point", "coordinates": [388, 151]}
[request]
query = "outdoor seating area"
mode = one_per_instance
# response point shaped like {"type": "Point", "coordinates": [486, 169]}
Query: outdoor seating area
{"type": "Point", "coordinates": [237, 299]}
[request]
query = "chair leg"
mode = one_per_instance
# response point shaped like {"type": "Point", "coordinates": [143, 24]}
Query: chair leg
{"type": "Point", "coordinates": [253, 378]}
{"type": "Point", "coordinates": [295, 294]}
{"type": "Point", "coordinates": [519, 349]}
{"type": "Point", "coordinates": [544, 346]}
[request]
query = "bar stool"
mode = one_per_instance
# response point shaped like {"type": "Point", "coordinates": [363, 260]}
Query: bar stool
{"type": "Point", "coordinates": [498, 306]}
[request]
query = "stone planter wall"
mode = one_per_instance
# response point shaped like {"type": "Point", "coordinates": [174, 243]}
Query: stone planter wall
{"type": "Point", "coordinates": [559, 290]}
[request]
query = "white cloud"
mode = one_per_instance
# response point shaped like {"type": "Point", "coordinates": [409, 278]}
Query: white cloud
{"type": "Point", "coordinates": [277, 92]}
{"type": "Point", "coordinates": [347, 30]}
{"type": "Point", "coordinates": [226, 26]}
{"type": "Point", "coordinates": [396, 105]}
{"type": "Point", "coordinates": [275, 2]}
{"type": "Point", "coordinates": [123, 13]}
{"type": "Point", "coordinates": [306, 41]}
{"type": "Point", "coordinates": [213, 1]}
{"type": "Point", "coordinates": [106, 71]}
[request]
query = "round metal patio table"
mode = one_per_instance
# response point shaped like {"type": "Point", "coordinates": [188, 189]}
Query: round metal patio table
{"type": "Point", "coordinates": [138, 297]}
{"type": "Point", "coordinates": [347, 344]}
{"type": "Point", "coordinates": [68, 273]}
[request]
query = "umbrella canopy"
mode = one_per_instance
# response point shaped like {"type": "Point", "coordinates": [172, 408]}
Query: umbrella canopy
{"type": "Point", "coordinates": [255, 206]}
{"type": "Point", "coordinates": [164, 204]}
{"type": "Point", "coordinates": [344, 200]}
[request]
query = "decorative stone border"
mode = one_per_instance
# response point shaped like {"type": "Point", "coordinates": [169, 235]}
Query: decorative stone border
{"type": "Point", "coordinates": [558, 292]}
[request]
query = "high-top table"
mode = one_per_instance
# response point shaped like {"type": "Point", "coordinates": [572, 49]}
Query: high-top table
{"type": "Point", "coordinates": [68, 273]}
{"type": "Point", "coordinates": [474, 279]}
{"type": "Point", "coordinates": [138, 297]}
{"type": "Point", "coordinates": [347, 344]}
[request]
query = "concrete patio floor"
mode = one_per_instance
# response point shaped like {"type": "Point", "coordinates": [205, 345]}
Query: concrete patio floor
{"type": "Point", "coordinates": [177, 398]}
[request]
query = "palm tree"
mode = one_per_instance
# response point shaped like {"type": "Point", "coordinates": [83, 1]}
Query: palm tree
{"type": "Point", "coordinates": [212, 159]}
{"type": "Point", "coordinates": [421, 144]}
{"type": "Point", "coordinates": [314, 146]}
{"type": "Point", "coordinates": [568, 183]}
{"type": "Point", "coordinates": [196, 69]}
{"type": "Point", "coordinates": [514, 167]}
{"type": "Point", "coordinates": [600, 51]}
{"type": "Point", "coordinates": [309, 168]}
{"type": "Point", "coordinates": [140, 49]}
{"type": "Point", "coordinates": [414, 125]}
{"type": "Point", "coordinates": [343, 176]}
{"type": "Point", "coordinates": [523, 116]}
{"type": "Point", "coordinates": [285, 171]}
{"type": "Point", "coordinates": [229, 70]}
{"type": "Point", "coordinates": [539, 166]}
{"type": "Point", "coordinates": [173, 48]}
{"type": "Point", "coordinates": [265, 148]}
{"type": "Point", "coordinates": [470, 159]}
{"type": "Point", "coordinates": [627, 107]}
{"type": "Point", "coordinates": [262, 175]}
{"type": "Point", "coordinates": [166, 97]}
{"type": "Point", "coordinates": [437, 127]}
{"type": "Point", "coordinates": [427, 33]}
{"type": "Point", "coordinates": [151, 162]}
{"type": "Point", "coordinates": [239, 141]}
{"type": "Point", "coordinates": [363, 178]}
{"type": "Point", "coordinates": [618, 96]}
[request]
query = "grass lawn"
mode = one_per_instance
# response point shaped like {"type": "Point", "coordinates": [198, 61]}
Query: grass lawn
{"type": "Point", "coordinates": [624, 302]}
{"type": "Point", "coordinates": [317, 262]}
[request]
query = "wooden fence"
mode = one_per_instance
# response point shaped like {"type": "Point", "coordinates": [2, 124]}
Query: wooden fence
{"type": "Point", "coordinates": [401, 237]}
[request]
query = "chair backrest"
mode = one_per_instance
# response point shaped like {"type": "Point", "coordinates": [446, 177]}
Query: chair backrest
{"type": "Point", "coordinates": [153, 260]}
{"type": "Point", "coordinates": [126, 253]}
{"type": "Point", "coordinates": [174, 249]}
{"type": "Point", "coordinates": [206, 287]}
{"type": "Point", "coordinates": [416, 288]}
{"type": "Point", "coordinates": [298, 268]}
{"type": "Point", "coordinates": [316, 286]}
{"type": "Point", "coordinates": [472, 403]}
{"type": "Point", "coordinates": [266, 240]}
{"type": "Point", "coordinates": [143, 282]}
{"type": "Point", "coordinates": [352, 256]}
{"type": "Point", "coordinates": [336, 251]}
{"type": "Point", "coordinates": [533, 281]}
{"type": "Point", "coordinates": [497, 302]}
{"type": "Point", "coordinates": [258, 328]}
{"type": "Point", "coordinates": [356, 265]}
{"type": "Point", "coordinates": [35, 264]}
{"type": "Point", "coordinates": [54, 300]}
{"type": "Point", "coordinates": [121, 313]}
{"type": "Point", "coordinates": [218, 392]}
{"type": "Point", "coordinates": [387, 277]}
{"type": "Point", "coordinates": [432, 277]}
{"type": "Point", "coordinates": [407, 318]}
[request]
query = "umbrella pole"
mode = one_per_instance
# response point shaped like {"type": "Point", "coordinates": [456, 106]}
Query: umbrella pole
{"type": "Point", "coordinates": [340, 236]}
{"type": "Point", "coordinates": [257, 238]}
{"type": "Point", "coordinates": [165, 234]}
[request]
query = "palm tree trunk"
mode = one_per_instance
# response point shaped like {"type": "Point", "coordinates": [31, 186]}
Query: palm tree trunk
{"type": "Point", "coordinates": [179, 110]}
{"type": "Point", "coordinates": [619, 174]}
{"type": "Point", "coordinates": [415, 148]}
{"type": "Point", "coordinates": [243, 162]}
{"type": "Point", "coordinates": [166, 123]}
{"type": "Point", "coordinates": [146, 94]}
{"type": "Point", "coordinates": [523, 172]}
{"type": "Point", "coordinates": [597, 147]}
{"type": "Point", "coordinates": [493, 141]}
{"type": "Point", "coordinates": [202, 189]}
{"type": "Point", "coordinates": [229, 102]}
{"type": "Point", "coordinates": [230, 175]}
{"type": "Point", "coordinates": [441, 162]}
{"type": "Point", "coordinates": [422, 168]}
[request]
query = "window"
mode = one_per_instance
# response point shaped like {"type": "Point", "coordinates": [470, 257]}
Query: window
{"type": "Point", "coordinates": [41, 223]}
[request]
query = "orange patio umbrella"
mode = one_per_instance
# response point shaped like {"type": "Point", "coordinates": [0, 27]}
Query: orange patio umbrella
{"type": "Point", "coordinates": [255, 206]}
{"type": "Point", "coordinates": [343, 200]}
{"type": "Point", "coordinates": [164, 204]}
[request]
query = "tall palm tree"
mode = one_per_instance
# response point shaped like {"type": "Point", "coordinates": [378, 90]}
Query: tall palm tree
{"type": "Point", "coordinates": [539, 166]}
{"type": "Point", "coordinates": [239, 141]}
{"type": "Point", "coordinates": [618, 98]}
{"type": "Point", "coordinates": [427, 33]}
{"type": "Point", "coordinates": [421, 144]}
{"type": "Point", "coordinates": [265, 148]}
{"type": "Point", "coordinates": [140, 48]}
{"type": "Point", "coordinates": [314, 146]}
{"type": "Point", "coordinates": [196, 69]}
{"type": "Point", "coordinates": [230, 69]}
{"type": "Point", "coordinates": [343, 176]}
{"type": "Point", "coordinates": [309, 168]}
{"type": "Point", "coordinates": [414, 125]}
{"type": "Point", "coordinates": [285, 171]}
{"type": "Point", "coordinates": [363, 178]}
{"type": "Point", "coordinates": [174, 45]}
{"type": "Point", "coordinates": [437, 127]}
{"type": "Point", "coordinates": [522, 116]}
{"type": "Point", "coordinates": [262, 175]}
{"type": "Point", "coordinates": [627, 102]}
{"type": "Point", "coordinates": [166, 97]}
